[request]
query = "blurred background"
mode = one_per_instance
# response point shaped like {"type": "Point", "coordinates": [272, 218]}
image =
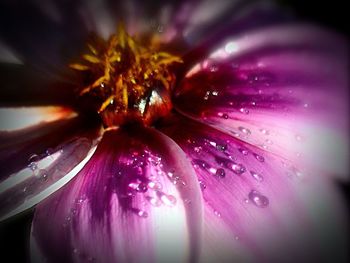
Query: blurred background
{"type": "Point", "coordinates": [14, 234]}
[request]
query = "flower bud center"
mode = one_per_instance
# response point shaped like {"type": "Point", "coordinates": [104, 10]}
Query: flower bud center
{"type": "Point", "coordinates": [125, 81]}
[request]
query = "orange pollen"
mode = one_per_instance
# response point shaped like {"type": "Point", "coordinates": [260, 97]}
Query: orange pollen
{"type": "Point", "coordinates": [125, 81]}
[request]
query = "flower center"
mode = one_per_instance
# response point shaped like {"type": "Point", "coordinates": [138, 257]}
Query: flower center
{"type": "Point", "coordinates": [125, 81]}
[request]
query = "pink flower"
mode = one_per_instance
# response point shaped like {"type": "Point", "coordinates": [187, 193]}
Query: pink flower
{"type": "Point", "coordinates": [230, 152]}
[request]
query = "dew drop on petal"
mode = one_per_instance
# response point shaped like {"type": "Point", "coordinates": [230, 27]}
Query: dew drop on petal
{"type": "Point", "coordinates": [258, 199]}
{"type": "Point", "coordinates": [259, 157]}
{"type": "Point", "coordinates": [220, 173]}
{"type": "Point", "coordinates": [258, 177]}
{"type": "Point", "coordinates": [244, 130]}
{"type": "Point", "coordinates": [142, 188]}
{"type": "Point", "coordinates": [244, 110]}
{"type": "Point", "coordinates": [155, 185]}
{"type": "Point", "coordinates": [217, 213]}
{"type": "Point", "coordinates": [33, 166]}
{"type": "Point", "coordinates": [153, 201]}
{"type": "Point", "coordinates": [168, 200]}
{"type": "Point", "coordinates": [243, 151]}
{"type": "Point", "coordinates": [221, 147]}
{"type": "Point", "coordinates": [33, 158]}
{"type": "Point", "coordinates": [202, 185]}
{"type": "Point", "coordinates": [264, 131]}
{"type": "Point", "coordinates": [268, 141]}
{"type": "Point", "coordinates": [142, 213]}
{"type": "Point", "coordinates": [236, 168]}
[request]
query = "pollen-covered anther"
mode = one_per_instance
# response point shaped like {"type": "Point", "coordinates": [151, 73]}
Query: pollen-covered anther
{"type": "Point", "coordinates": [127, 81]}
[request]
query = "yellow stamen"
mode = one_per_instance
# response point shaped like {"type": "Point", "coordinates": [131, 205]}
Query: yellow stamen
{"type": "Point", "coordinates": [123, 72]}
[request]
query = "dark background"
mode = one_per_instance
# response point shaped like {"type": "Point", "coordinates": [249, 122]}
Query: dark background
{"type": "Point", "coordinates": [14, 234]}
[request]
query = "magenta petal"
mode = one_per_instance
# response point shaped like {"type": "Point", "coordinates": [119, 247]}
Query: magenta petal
{"type": "Point", "coordinates": [136, 200]}
{"type": "Point", "coordinates": [283, 89]}
{"type": "Point", "coordinates": [37, 160]}
{"type": "Point", "coordinates": [260, 207]}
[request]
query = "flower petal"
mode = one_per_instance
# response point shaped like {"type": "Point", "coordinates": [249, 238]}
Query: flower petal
{"type": "Point", "coordinates": [12, 119]}
{"type": "Point", "coordinates": [280, 89]}
{"type": "Point", "coordinates": [137, 199]}
{"type": "Point", "coordinates": [260, 207]}
{"type": "Point", "coordinates": [39, 159]}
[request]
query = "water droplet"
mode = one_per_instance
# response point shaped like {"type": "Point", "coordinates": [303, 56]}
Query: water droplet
{"type": "Point", "coordinates": [142, 213]}
{"type": "Point", "coordinates": [44, 176]}
{"type": "Point", "coordinates": [168, 200]}
{"type": "Point", "coordinates": [217, 213]}
{"type": "Point", "coordinates": [264, 131]}
{"type": "Point", "coordinates": [155, 185]}
{"type": "Point", "coordinates": [49, 151]}
{"type": "Point", "coordinates": [225, 116]}
{"type": "Point", "coordinates": [33, 166]}
{"type": "Point", "coordinates": [296, 172]}
{"type": "Point", "coordinates": [244, 130]}
{"type": "Point", "coordinates": [34, 158]}
{"type": "Point", "coordinates": [256, 176]}
{"type": "Point", "coordinates": [243, 151]}
{"type": "Point", "coordinates": [220, 173]}
{"type": "Point", "coordinates": [258, 199]}
{"type": "Point", "coordinates": [215, 93]}
{"type": "Point", "coordinates": [259, 157]}
{"type": "Point", "coordinates": [153, 201]}
{"type": "Point", "coordinates": [236, 168]}
{"type": "Point", "coordinates": [236, 134]}
{"type": "Point", "coordinates": [197, 149]}
{"type": "Point", "coordinates": [142, 188]}
{"type": "Point", "coordinates": [221, 147]}
{"type": "Point", "coordinates": [202, 185]}
{"type": "Point", "coordinates": [201, 164]}
{"type": "Point", "coordinates": [244, 110]}
{"type": "Point", "coordinates": [269, 142]}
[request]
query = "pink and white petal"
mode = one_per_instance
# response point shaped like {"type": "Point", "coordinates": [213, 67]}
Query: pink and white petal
{"type": "Point", "coordinates": [137, 199]}
{"type": "Point", "coordinates": [38, 159]}
{"type": "Point", "coordinates": [12, 119]}
{"type": "Point", "coordinates": [260, 207]}
{"type": "Point", "coordinates": [283, 89]}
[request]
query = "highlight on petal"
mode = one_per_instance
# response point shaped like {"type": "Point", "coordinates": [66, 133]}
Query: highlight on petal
{"type": "Point", "coordinates": [137, 199]}
{"type": "Point", "coordinates": [283, 89]}
{"type": "Point", "coordinates": [260, 207]}
{"type": "Point", "coordinates": [37, 161]}
{"type": "Point", "coordinates": [23, 117]}
{"type": "Point", "coordinates": [7, 55]}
